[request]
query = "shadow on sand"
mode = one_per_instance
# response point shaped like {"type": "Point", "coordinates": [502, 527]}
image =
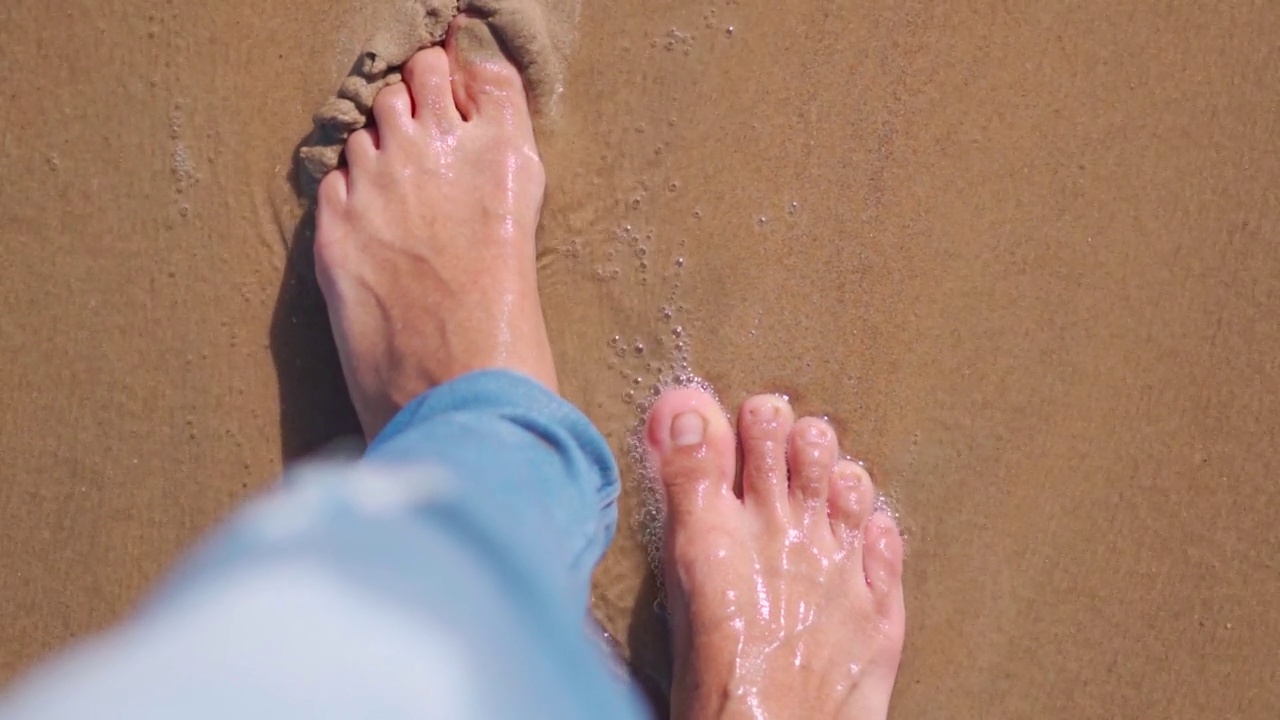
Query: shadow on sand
{"type": "Point", "coordinates": [315, 409]}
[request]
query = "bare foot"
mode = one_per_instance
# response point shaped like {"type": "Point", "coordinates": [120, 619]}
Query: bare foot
{"type": "Point", "coordinates": [786, 595]}
{"type": "Point", "coordinates": [425, 241]}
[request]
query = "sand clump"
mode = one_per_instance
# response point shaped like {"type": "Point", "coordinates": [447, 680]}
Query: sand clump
{"type": "Point", "coordinates": [535, 40]}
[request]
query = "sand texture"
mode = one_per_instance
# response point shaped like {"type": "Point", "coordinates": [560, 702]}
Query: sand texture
{"type": "Point", "coordinates": [523, 27]}
{"type": "Point", "coordinates": [1023, 254]}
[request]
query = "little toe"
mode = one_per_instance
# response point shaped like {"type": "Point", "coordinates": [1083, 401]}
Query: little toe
{"type": "Point", "coordinates": [852, 497]}
{"type": "Point", "coordinates": [690, 444]}
{"type": "Point", "coordinates": [764, 425]}
{"type": "Point", "coordinates": [812, 461]}
{"type": "Point", "coordinates": [882, 563]}
{"type": "Point", "coordinates": [427, 77]}
{"type": "Point", "coordinates": [485, 82]}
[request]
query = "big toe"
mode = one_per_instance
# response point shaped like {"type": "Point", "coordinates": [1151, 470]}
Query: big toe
{"type": "Point", "coordinates": [485, 82]}
{"type": "Point", "coordinates": [691, 446]}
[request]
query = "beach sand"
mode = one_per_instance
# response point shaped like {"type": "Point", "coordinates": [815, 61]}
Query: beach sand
{"type": "Point", "coordinates": [1023, 255]}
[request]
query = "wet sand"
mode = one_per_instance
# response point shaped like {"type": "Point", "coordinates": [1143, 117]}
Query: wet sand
{"type": "Point", "coordinates": [1024, 257]}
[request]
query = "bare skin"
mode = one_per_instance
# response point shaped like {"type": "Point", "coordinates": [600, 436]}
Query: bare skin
{"type": "Point", "coordinates": [787, 599]}
{"type": "Point", "coordinates": [425, 241]}
{"type": "Point", "coordinates": [786, 593]}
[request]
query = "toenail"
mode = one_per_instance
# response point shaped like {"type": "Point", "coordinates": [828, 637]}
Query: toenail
{"type": "Point", "coordinates": [768, 410]}
{"type": "Point", "coordinates": [815, 433]}
{"type": "Point", "coordinates": [687, 429]}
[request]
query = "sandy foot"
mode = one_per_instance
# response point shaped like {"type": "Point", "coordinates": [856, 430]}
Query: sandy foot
{"type": "Point", "coordinates": [534, 33]}
{"type": "Point", "coordinates": [425, 241]}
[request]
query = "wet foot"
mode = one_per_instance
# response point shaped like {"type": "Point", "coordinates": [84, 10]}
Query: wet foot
{"type": "Point", "coordinates": [425, 240]}
{"type": "Point", "coordinates": [786, 591]}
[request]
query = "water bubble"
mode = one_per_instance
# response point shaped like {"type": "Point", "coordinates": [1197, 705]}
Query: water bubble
{"type": "Point", "coordinates": [679, 262]}
{"type": "Point", "coordinates": [793, 207]}
{"type": "Point", "coordinates": [677, 331]}
{"type": "Point", "coordinates": [674, 186]}
{"type": "Point", "coordinates": [668, 312]}
{"type": "Point", "coordinates": [620, 352]}
{"type": "Point", "coordinates": [642, 252]}
{"type": "Point", "coordinates": [643, 266]}
{"type": "Point", "coordinates": [637, 381]}
{"type": "Point", "coordinates": [615, 341]}
{"type": "Point", "coordinates": [635, 203]}
{"type": "Point", "coordinates": [615, 273]}
{"type": "Point", "coordinates": [728, 31]}
{"type": "Point", "coordinates": [629, 397]}
{"type": "Point", "coordinates": [762, 221]}
{"type": "Point", "coordinates": [637, 349]}
{"type": "Point", "coordinates": [697, 214]}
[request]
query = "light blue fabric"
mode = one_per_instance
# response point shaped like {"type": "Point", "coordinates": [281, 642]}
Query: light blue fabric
{"type": "Point", "coordinates": [444, 575]}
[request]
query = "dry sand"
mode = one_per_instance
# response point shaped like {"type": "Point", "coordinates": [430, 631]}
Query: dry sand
{"type": "Point", "coordinates": [1023, 254]}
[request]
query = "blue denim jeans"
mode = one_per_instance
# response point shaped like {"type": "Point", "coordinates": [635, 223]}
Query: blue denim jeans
{"type": "Point", "coordinates": [443, 575]}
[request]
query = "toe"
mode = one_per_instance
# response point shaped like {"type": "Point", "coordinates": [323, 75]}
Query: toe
{"type": "Point", "coordinates": [333, 189]}
{"type": "Point", "coordinates": [690, 445]}
{"type": "Point", "coordinates": [852, 496]}
{"type": "Point", "coordinates": [485, 82]}
{"type": "Point", "coordinates": [764, 424]}
{"type": "Point", "coordinates": [812, 459]}
{"type": "Point", "coordinates": [361, 149]}
{"type": "Point", "coordinates": [882, 563]}
{"type": "Point", "coordinates": [393, 111]}
{"type": "Point", "coordinates": [427, 77]}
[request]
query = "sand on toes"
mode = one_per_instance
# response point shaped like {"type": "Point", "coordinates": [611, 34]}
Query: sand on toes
{"type": "Point", "coordinates": [535, 35]}
{"type": "Point", "coordinates": [785, 589]}
{"type": "Point", "coordinates": [425, 242]}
